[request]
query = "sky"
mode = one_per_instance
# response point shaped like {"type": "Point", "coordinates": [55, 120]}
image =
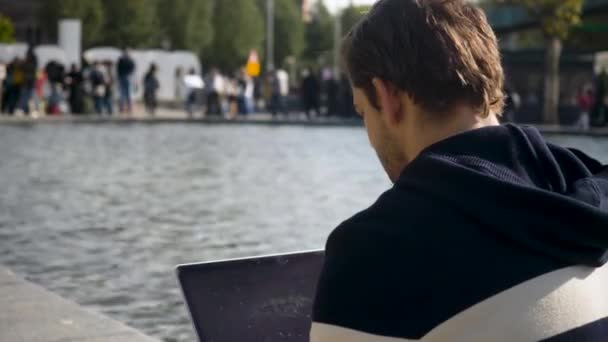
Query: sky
{"type": "Point", "coordinates": [333, 5]}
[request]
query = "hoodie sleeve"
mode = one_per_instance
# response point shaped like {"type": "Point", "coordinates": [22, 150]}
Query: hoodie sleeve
{"type": "Point", "coordinates": [362, 288]}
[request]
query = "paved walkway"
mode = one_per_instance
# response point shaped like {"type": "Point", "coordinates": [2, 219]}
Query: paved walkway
{"type": "Point", "coordinates": [29, 313]}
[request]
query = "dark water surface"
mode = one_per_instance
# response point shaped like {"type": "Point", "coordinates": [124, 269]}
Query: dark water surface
{"type": "Point", "coordinates": [101, 214]}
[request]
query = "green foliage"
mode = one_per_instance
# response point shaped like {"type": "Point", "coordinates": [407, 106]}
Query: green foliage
{"type": "Point", "coordinates": [186, 24]}
{"type": "Point", "coordinates": [557, 17]}
{"type": "Point", "coordinates": [239, 27]}
{"type": "Point", "coordinates": [351, 15]}
{"type": "Point", "coordinates": [289, 30]}
{"type": "Point", "coordinates": [319, 34]}
{"type": "Point", "coordinates": [131, 23]}
{"type": "Point", "coordinates": [7, 33]}
{"type": "Point", "coordinates": [90, 12]}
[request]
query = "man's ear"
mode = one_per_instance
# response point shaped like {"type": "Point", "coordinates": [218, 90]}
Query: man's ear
{"type": "Point", "coordinates": [388, 99]}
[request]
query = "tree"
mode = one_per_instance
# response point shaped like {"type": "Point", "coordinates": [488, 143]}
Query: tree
{"type": "Point", "coordinates": [7, 33]}
{"type": "Point", "coordinates": [288, 30]}
{"type": "Point", "coordinates": [186, 24]}
{"type": "Point", "coordinates": [132, 23]}
{"type": "Point", "coordinates": [590, 34]}
{"type": "Point", "coordinates": [239, 28]}
{"type": "Point", "coordinates": [557, 18]}
{"type": "Point", "coordinates": [319, 33]}
{"type": "Point", "coordinates": [90, 12]}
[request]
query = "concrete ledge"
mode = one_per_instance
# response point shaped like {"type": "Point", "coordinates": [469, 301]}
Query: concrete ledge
{"type": "Point", "coordinates": [30, 313]}
{"type": "Point", "coordinates": [255, 119]}
{"type": "Point", "coordinates": [172, 117]}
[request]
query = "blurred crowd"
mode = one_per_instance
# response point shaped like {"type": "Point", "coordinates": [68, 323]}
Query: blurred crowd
{"type": "Point", "coordinates": [106, 87]}
{"type": "Point", "coordinates": [30, 89]}
{"type": "Point", "coordinates": [312, 93]}
{"type": "Point", "coordinates": [587, 107]}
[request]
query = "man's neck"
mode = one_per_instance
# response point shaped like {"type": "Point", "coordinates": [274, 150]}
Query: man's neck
{"type": "Point", "coordinates": [432, 131]}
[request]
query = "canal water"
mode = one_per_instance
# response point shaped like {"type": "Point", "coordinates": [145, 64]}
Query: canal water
{"type": "Point", "coordinates": [101, 214]}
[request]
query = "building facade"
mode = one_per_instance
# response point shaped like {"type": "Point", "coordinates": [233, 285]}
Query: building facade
{"type": "Point", "coordinates": [25, 17]}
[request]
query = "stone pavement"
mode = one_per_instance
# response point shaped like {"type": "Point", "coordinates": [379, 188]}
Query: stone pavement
{"type": "Point", "coordinates": [29, 313]}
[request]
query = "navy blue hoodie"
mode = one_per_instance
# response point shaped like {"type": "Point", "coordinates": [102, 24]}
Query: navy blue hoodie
{"type": "Point", "coordinates": [489, 235]}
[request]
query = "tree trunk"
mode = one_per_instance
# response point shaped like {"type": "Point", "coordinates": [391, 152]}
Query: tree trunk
{"type": "Point", "coordinates": [551, 98]}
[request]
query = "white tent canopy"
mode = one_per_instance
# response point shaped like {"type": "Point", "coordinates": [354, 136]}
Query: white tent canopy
{"type": "Point", "coordinates": [186, 60]}
{"type": "Point", "coordinates": [48, 53]}
{"type": "Point", "coordinates": [102, 54]}
{"type": "Point", "coordinates": [8, 52]}
{"type": "Point", "coordinates": [167, 63]}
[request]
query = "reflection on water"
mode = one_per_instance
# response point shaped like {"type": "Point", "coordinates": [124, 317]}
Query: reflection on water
{"type": "Point", "coordinates": [101, 214]}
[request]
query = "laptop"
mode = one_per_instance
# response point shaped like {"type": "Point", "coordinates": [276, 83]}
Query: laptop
{"type": "Point", "coordinates": [261, 299]}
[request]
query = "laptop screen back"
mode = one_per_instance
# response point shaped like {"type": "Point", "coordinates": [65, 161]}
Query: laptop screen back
{"type": "Point", "coordinates": [257, 299]}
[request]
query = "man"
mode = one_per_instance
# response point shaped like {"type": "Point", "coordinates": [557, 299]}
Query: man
{"type": "Point", "coordinates": [125, 69]}
{"type": "Point", "coordinates": [489, 232]}
{"type": "Point", "coordinates": [280, 91]}
{"type": "Point", "coordinates": [30, 72]}
{"type": "Point", "coordinates": [193, 84]}
{"type": "Point", "coordinates": [75, 81]}
{"type": "Point", "coordinates": [215, 91]}
{"type": "Point", "coordinates": [151, 86]}
{"type": "Point", "coordinates": [98, 81]}
{"type": "Point", "coordinates": [55, 73]}
{"type": "Point", "coordinates": [310, 90]}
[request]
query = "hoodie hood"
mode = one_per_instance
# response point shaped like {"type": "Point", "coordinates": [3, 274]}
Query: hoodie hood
{"type": "Point", "coordinates": [547, 198]}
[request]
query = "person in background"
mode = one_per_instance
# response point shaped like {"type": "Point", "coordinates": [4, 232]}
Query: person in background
{"type": "Point", "coordinates": [215, 88]}
{"type": "Point", "coordinates": [179, 86]}
{"type": "Point", "coordinates": [151, 86]}
{"type": "Point", "coordinates": [280, 91]}
{"type": "Point", "coordinates": [75, 82]}
{"type": "Point", "coordinates": [87, 86]}
{"type": "Point", "coordinates": [15, 84]}
{"type": "Point", "coordinates": [7, 87]}
{"type": "Point", "coordinates": [332, 90]}
{"type": "Point", "coordinates": [2, 78]}
{"type": "Point", "coordinates": [125, 68]}
{"type": "Point", "coordinates": [512, 104]}
{"type": "Point", "coordinates": [584, 100]}
{"type": "Point", "coordinates": [267, 92]}
{"type": "Point", "coordinates": [310, 92]}
{"type": "Point", "coordinates": [30, 72]}
{"type": "Point", "coordinates": [55, 74]}
{"type": "Point", "coordinates": [258, 94]}
{"type": "Point", "coordinates": [108, 97]}
{"type": "Point", "coordinates": [190, 93]}
{"type": "Point", "coordinates": [98, 83]}
{"type": "Point", "coordinates": [231, 91]}
{"type": "Point", "coordinates": [39, 93]}
{"type": "Point", "coordinates": [245, 93]}
{"type": "Point", "coordinates": [600, 108]}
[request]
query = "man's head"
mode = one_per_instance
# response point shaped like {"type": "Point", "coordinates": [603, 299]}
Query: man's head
{"type": "Point", "coordinates": [422, 70]}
